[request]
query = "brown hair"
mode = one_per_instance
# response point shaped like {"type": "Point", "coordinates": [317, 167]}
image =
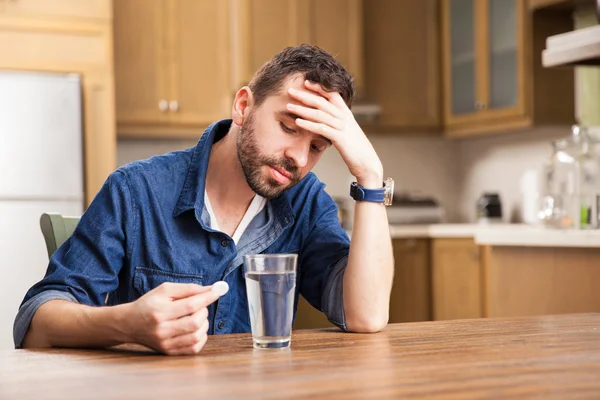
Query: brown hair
{"type": "Point", "coordinates": [314, 63]}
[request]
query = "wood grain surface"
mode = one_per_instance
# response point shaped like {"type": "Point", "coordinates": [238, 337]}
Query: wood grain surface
{"type": "Point", "coordinates": [550, 357]}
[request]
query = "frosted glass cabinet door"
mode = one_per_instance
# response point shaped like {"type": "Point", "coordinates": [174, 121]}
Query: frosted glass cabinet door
{"type": "Point", "coordinates": [503, 74]}
{"type": "Point", "coordinates": [462, 55]}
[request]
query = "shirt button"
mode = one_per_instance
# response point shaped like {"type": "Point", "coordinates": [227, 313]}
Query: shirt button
{"type": "Point", "coordinates": [220, 325]}
{"type": "Point", "coordinates": [224, 242]}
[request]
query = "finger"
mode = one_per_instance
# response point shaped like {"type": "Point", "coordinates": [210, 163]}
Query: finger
{"type": "Point", "coordinates": [315, 101]}
{"type": "Point", "coordinates": [334, 97]}
{"type": "Point", "coordinates": [189, 350]}
{"type": "Point", "coordinates": [318, 128]}
{"type": "Point", "coordinates": [187, 324]}
{"type": "Point", "coordinates": [315, 115]}
{"type": "Point", "coordinates": [186, 340]}
{"type": "Point", "coordinates": [182, 290]}
{"type": "Point", "coordinates": [182, 307]}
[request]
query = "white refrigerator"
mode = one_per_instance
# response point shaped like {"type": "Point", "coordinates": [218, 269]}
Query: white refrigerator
{"type": "Point", "coordinates": [41, 170]}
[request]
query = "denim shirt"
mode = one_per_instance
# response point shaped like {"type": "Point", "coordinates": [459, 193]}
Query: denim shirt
{"type": "Point", "coordinates": [148, 225]}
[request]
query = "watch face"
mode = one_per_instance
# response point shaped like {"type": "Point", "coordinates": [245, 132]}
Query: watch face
{"type": "Point", "coordinates": [389, 191]}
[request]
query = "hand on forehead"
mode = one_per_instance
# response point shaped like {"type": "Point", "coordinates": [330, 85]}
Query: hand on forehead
{"type": "Point", "coordinates": [298, 82]}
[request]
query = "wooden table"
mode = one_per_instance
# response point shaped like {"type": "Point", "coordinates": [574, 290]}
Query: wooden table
{"type": "Point", "coordinates": [543, 357]}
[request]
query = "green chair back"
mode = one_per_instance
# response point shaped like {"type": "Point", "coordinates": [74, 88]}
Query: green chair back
{"type": "Point", "coordinates": [56, 229]}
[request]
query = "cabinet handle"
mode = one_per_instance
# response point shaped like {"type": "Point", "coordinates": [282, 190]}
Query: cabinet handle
{"type": "Point", "coordinates": [481, 106]}
{"type": "Point", "coordinates": [163, 105]}
{"type": "Point", "coordinates": [174, 105]}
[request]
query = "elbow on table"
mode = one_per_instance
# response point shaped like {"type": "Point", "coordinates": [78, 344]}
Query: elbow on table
{"type": "Point", "coordinates": [367, 324]}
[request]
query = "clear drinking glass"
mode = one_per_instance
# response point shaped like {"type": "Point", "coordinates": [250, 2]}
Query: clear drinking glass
{"type": "Point", "coordinates": [271, 284]}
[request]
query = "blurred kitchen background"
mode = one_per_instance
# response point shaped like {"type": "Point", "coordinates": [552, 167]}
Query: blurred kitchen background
{"type": "Point", "coordinates": [485, 112]}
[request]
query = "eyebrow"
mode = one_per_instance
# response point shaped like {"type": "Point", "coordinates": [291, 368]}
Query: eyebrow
{"type": "Point", "coordinates": [293, 116]}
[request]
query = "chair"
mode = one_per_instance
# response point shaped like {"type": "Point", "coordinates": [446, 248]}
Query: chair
{"type": "Point", "coordinates": [56, 229]}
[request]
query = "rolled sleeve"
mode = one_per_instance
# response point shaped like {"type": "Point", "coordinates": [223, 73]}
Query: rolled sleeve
{"type": "Point", "coordinates": [323, 259]}
{"type": "Point", "coordinates": [333, 296]}
{"type": "Point", "coordinates": [28, 309]}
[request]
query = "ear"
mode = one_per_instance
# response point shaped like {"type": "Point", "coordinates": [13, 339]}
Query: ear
{"type": "Point", "coordinates": [242, 104]}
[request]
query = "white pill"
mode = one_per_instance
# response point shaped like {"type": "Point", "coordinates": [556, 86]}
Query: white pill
{"type": "Point", "coordinates": [220, 288]}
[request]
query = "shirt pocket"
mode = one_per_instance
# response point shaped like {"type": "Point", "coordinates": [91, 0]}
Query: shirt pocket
{"type": "Point", "coordinates": [145, 279]}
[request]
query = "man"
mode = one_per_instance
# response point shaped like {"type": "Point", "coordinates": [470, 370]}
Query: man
{"type": "Point", "coordinates": [141, 262]}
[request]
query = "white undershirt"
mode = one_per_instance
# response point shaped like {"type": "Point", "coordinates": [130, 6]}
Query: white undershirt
{"type": "Point", "coordinates": [256, 206]}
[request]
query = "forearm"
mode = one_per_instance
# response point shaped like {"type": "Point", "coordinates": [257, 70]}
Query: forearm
{"type": "Point", "coordinates": [369, 273]}
{"type": "Point", "coordinates": [60, 323]}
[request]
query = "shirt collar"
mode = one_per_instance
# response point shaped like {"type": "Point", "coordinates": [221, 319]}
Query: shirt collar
{"type": "Point", "coordinates": [192, 193]}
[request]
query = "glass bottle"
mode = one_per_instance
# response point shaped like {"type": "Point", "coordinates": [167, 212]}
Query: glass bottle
{"type": "Point", "coordinates": [589, 181]}
{"type": "Point", "coordinates": [573, 182]}
{"type": "Point", "coordinates": [558, 183]}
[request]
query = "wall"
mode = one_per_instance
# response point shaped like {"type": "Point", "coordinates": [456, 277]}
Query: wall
{"type": "Point", "coordinates": [496, 164]}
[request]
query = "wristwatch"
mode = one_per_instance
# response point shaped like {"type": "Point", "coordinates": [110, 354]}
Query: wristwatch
{"type": "Point", "coordinates": [383, 195]}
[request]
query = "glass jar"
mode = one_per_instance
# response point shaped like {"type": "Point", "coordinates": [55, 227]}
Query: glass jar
{"type": "Point", "coordinates": [589, 183]}
{"type": "Point", "coordinates": [573, 182]}
{"type": "Point", "coordinates": [558, 182]}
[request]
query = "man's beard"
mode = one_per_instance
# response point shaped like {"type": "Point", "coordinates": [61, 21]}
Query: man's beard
{"type": "Point", "coordinates": [252, 162]}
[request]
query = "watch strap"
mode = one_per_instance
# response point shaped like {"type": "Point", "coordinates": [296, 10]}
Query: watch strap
{"type": "Point", "coordinates": [360, 193]}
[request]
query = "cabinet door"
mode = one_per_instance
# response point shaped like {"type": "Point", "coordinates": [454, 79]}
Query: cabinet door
{"type": "Point", "coordinates": [48, 48]}
{"type": "Point", "coordinates": [484, 64]}
{"type": "Point", "coordinates": [101, 9]}
{"type": "Point", "coordinates": [504, 55]}
{"type": "Point", "coordinates": [457, 279]}
{"type": "Point", "coordinates": [140, 62]}
{"type": "Point", "coordinates": [336, 26]}
{"type": "Point", "coordinates": [411, 293]}
{"type": "Point", "coordinates": [261, 29]}
{"type": "Point", "coordinates": [402, 68]}
{"type": "Point", "coordinates": [199, 64]}
{"type": "Point", "coordinates": [308, 317]}
{"type": "Point", "coordinates": [460, 57]}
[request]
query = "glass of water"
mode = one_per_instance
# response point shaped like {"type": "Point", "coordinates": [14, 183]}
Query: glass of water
{"type": "Point", "coordinates": [271, 284]}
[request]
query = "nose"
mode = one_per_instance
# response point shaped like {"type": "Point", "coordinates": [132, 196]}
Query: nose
{"type": "Point", "coordinates": [298, 152]}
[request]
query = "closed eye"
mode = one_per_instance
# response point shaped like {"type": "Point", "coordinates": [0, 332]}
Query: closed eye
{"type": "Point", "coordinates": [317, 148]}
{"type": "Point", "coordinates": [285, 128]}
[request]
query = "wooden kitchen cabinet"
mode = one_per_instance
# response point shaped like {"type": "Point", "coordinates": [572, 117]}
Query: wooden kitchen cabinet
{"type": "Point", "coordinates": [337, 27]}
{"type": "Point", "coordinates": [261, 29]}
{"type": "Point", "coordinates": [410, 299]}
{"type": "Point", "coordinates": [411, 293]}
{"type": "Point", "coordinates": [172, 72]}
{"type": "Point", "coordinates": [458, 277]}
{"type": "Point", "coordinates": [542, 280]}
{"type": "Point", "coordinates": [308, 317]}
{"type": "Point", "coordinates": [265, 27]}
{"type": "Point", "coordinates": [198, 62]}
{"type": "Point", "coordinates": [94, 9]}
{"type": "Point", "coordinates": [140, 62]}
{"type": "Point", "coordinates": [175, 75]}
{"type": "Point", "coordinates": [402, 64]}
{"type": "Point", "coordinates": [493, 79]}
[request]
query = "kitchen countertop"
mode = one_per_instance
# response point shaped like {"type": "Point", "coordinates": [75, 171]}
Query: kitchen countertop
{"type": "Point", "coordinates": [501, 234]}
{"type": "Point", "coordinates": [434, 231]}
